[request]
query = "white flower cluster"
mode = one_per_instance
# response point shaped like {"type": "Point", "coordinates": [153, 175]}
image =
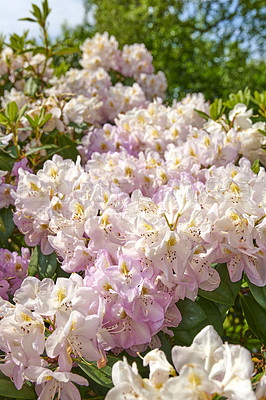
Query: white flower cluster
{"type": "Point", "coordinates": [180, 135]}
{"type": "Point", "coordinates": [51, 324]}
{"type": "Point", "coordinates": [8, 62]}
{"type": "Point", "coordinates": [206, 368]}
{"type": "Point", "coordinates": [145, 234]}
{"type": "Point", "coordinates": [85, 95]}
{"type": "Point", "coordinates": [102, 50]}
{"type": "Point", "coordinates": [133, 61]}
{"type": "Point", "coordinates": [186, 223]}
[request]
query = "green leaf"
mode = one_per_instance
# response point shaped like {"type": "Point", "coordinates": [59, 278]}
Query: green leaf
{"type": "Point", "coordinates": [259, 294]}
{"type": "Point", "coordinates": [102, 376]}
{"type": "Point", "coordinates": [67, 50]}
{"type": "Point", "coordinates": [46, 10]}
{"type": "Point", "coordinates": [218, 397]}
{"type": "Point", "coordinates": [70, 150]}
{"type": "Point", "coordinates": [43, 265]}
{"type": "Point", "coordinates": [192, 314]}
{"type": "Point", "coordinates": [9, 390]}
{"type": "Point", "coordinates": [47, 265]}
{"type": "Point", "coordinates": [27, 19]}
{"type": "Point", "coordinates": [41, 115]}
{"type": "Point", "coordinates": [6, 162]}
{"type": "Point", "coordinates": [22, 111]}
{"type": "Point", "coordinates": [202, 114]}
{"type": "Point", "coordinates": [216, 109]}
{"type": "Point", "coordinates": [33, 264]}
{"type": "Point", "coordinates": [11, 111]}
{"type": "Point", "coordinates": [36, 12]}
{"type": "Point", "coordinates": [7, 218]}
{"type": "Point", "coordinates": [255, 316]}
{"type": "Point", "coordinates": [213, 314]}
{"type": "Point", "coordinates": [36, 149]}
{"type": "Point", "coordinates": [39, 49]}
{"type": "Point", "coordinates": [31, 87]}
{"type": "Point", "coordinates": [3, 119]}
{"type": "Point", "coordinates": [44, 119]}
{"type": "Point", "coordinates": [256, 378]}
{"type": "Point", "coordinates": [239, 97]}
{"type": "Point", "coordinates": [185, 337]}
{"type": "Point", "coordinates": [256, 166]}
{"type": "Point", "coordinates": [166, 347]}
{"type": "Point", "coordinates": [12, 151]}
{"type": "Point", "coordinates": [262, 132]}
{"type": "Point", "coordinates": [32, 121]}
{"type": "Point", "coordinates": [227, 290]}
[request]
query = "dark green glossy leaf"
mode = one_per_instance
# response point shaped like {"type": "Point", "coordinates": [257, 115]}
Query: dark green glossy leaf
{"type": "Point", "coordinates": [255, 316]}
{"type": "Point", "coordinates": [47, 265]}
{"type": "Point", "coordinates": [6, 162]}
{"type": "Point", "coordinates": [259, 294]}
{"type": "Point", "coordinates": [70, 150]}
{"type": "Point", "coordinates": [7, 217]}
{"type": "Point", "coordinates": [227, 290]}
{"type": "Point", "coordinates": [184, 337]}
{"type": "Point", "coordinates": [213, 314]}
{"type": "Point", "coordinates": [192, 314]}
{"type": "Point", "coordinates": [43, 265]}
{"type": "Point", "coordinates": [102, 376]}
{"type": "Point", "coordinates": [9, 390]}
{"type": "Point", "coordinates": [166, 347]}
{"type": "Point", "coordinates": [12, 152]}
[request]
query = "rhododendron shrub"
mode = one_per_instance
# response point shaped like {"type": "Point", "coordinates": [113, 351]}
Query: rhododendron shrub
{"type": "Point", "coordinates": [130, 229]}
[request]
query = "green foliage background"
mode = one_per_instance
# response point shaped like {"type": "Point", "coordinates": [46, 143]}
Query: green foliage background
{"type": "Point", "coordinates": [202, 46]}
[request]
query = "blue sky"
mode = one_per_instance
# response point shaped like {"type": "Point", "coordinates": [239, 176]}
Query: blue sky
{"type": "Point", "coordinates": [62, 10]}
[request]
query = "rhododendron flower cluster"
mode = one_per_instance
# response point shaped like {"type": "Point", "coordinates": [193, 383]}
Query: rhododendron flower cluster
{"type": "Point", "coordinates": [205, 369]}
{"type": "Point", "coordinates": [179, 135]}
{"type": "Point", "coordinates": [142, 253]}
{"type": "Point", "coordinates": [13, 269]}
{"type": "Point", "coordinates": [86, 95]}
{"type": "Point", "coordinates": [128, 231]}
{"type": "Point", "coordinates": [64, 324]}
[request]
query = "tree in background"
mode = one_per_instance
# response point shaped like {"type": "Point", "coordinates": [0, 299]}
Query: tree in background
{"type": "Point", "coordinates": [213, 47]}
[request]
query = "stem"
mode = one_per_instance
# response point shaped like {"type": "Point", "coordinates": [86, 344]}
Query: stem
{"type": "Point", "coordinates": [46, 45]}
{"type": "Point", "coordinates": [15, 138]}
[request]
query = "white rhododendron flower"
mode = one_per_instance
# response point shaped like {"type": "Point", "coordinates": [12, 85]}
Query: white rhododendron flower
{"type": "Point", "coordinates": [240, 116]}
{"type": "Point", "coordinates": [206, 368]}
